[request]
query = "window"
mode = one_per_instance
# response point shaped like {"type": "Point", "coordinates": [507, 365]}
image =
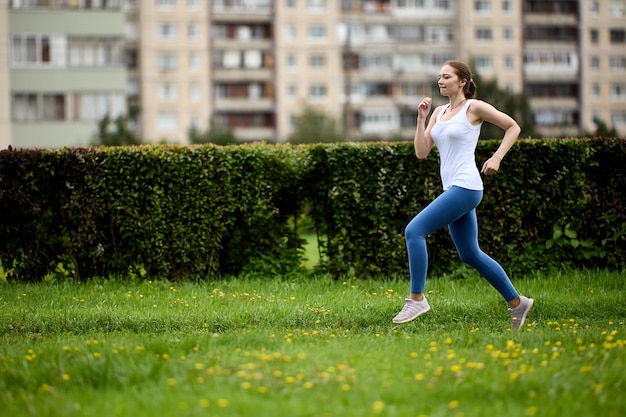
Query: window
{"type": "Point", "coordinates": [24, 107]}
{"type": "Point", "coordinates": [482, 6]}
{"type": "Point", "coordinates": [168, 92]}
{"type": "Point", "coordinates": [594, 63]}
{"type": "Point", "coordinates": [53, 107]}
{"type": "Point", "coordinates": [95, 52]}
{"type": "Point", "coordinates": [554, 117]}
{"type": "Point", "coordinates": [93, 107]}
{"type": "Point", "coordinates": [231, 59]}
{"type": "Point", "coordinates": [165, 4]}
{"type": "Point", "coordinates": [595, 91]}
{"type": "Point", "coordinates": [594, 36]}
{"type": "Point", "coordinates": [508, 62]}
{"type": "Point", "coordinates": [253, 59]}
{"type": "Point", "coordinates": [167, 122]}
{"type": "Point", "coordinates": [317, 5]}
{"type": "Point", "coordinates": [292, 91]}
{"type": "Point", "coordinates": [290, 33]}
{"type": "Point", "coordinates": [317, 33]}
{"type": "Point", "coordinates": [317, 91]}
{"type": "Point", "coordinates": [377, 62]}
{"type": "Point", "coordinates": [193, 4]}
{"type": "Point", "coordinates": [618, 92]}
{"type": "Point", "coordinates": [35, 50]}
{"type": "Point", "coordinates": [194, 61]}
{"type": "Point", "coordinates": [195, 92]}
{"type": "Point", "coordinates": [617, 9]}
{"type": "Point", "coordinates": [131, 31]}
{"type": "Point", "coordinates": [618, 35]}
{"type": "Point", "coordinates": [292, 61]}
{"type": "Point", "coordinates": [594, 7]}
{"type": "Point", "coordinates": [507, 7]}
{"type": "Point", "coordinates": [290, 4]}
{"type": "Point", "coordinates": [193, 31]}
{"type": "Point", "coordinates": [167, 61]}
{"type": "Point", "coordinates": [440, 34]}
{"type": "Point", "coordinates": [508, 34]}
{"type": "Point", "coordinates": [484, 63]}
{"type": "Point", "coordinates": [618, 63]}
{"type": "Point", "coordinates": [317, 61]}
{"type": "Point", "coordinates": [618, 118]}
{"type": "Point", "coordinates": [483, 34]}
{"type": "Point", "coordinates": [166, 31]}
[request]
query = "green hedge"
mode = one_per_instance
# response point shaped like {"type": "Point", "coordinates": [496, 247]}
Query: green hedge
{"type": "Point", "coordinates": [159, 211]}
{"type": "Point", "coordinates": [206, 210]}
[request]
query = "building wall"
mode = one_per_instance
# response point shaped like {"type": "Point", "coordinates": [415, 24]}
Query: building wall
{"type": "Point", "coordinates": [169, 107]}
{"type": "Point", "coordinates": [261, 103]}
{"type": "Point", "coordinates": [77, 76]}
{"type": "Point", "coordinates": [603, 66]}
{"type": "Point", "coordinates": [5, 108]}
{"type": "Point", "coordinates": [308, 69]}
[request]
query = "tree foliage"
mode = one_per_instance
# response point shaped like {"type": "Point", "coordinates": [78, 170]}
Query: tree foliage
{"type": "Point", "coordinates": [314, 125]}
{"type": "Point", "coordinates": [115, 132]}
{"type": "Point", "coordinates": [217, 134]}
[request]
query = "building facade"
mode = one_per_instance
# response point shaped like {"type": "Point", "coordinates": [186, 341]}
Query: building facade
{"type": "Point", "coordinates": [66, 70]}
{"type": "Point", "coordinates": [251, 66]}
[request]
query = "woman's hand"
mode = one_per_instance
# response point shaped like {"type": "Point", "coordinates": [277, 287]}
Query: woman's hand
{"type": "Point", "coordinates": [491, 166]}
{"type": "Point", "coordinates": [423, 110]}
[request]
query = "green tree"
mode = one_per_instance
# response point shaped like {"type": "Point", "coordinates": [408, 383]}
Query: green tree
{"type": "Point", "coordinates": [216, 134]}
{"type": "Point", "coordinates": [515, 105]}
{"type": "Point", "coordinates": [315, 126]}
{"type": "Point", "coordinates": [115, 132]}
{"type": "Point", "coordinates": [602, 130]}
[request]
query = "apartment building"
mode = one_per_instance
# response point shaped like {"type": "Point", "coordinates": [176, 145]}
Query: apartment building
{"type": "Point", "coordinates": [65, 70]}
{"type": "Point", "coordinates": [5, 106]}
{"type": "Point", "coordinates": [253, 65]}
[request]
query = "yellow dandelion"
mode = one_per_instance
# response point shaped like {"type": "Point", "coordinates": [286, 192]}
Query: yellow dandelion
{"type": "Point", "coordinates": [171, 382]}
{"type": "Point", "coordinates": [65, 377]}
{"type": "Point", "coordinates": [204, 403]}
{"type": "Point", "coordinates": [345, 387]}
{"type": "Point", "coordinates": [262, 390]}
{"type": "Point", "coordinates": [246, 385]}
{"type": "Point", "coordinates": [414, 355]}
{"type": "Point", "coordinates": [419, 377]}
{"type": "Point", "coordinates": [448, 341]}
{"type": "Point", "coordinates": [222, 403]}
{"type": "Point", "coordinates": [290, 380]}
{"type": "Point", "coordinates": [453, 404]}
{"type": "Point", "coordinates": [378, 407]}
{"type": "Point", "coordinates": [531, 411]}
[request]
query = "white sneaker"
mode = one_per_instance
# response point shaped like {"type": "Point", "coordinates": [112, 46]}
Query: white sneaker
{"type": "Point", "coordinates": [411, 310]}
{"type": "Point", "coordinates": [518, 314]}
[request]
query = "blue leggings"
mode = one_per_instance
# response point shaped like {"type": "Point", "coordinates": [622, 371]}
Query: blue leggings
{"type": "Point", "coordinates": [455, 208]}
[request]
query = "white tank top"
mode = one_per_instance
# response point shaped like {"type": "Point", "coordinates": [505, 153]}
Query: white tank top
{"type": "Point", "coordinates": [456, 141]}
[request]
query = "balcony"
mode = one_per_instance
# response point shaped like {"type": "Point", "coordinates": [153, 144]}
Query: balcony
{"type": "Point", "coordinates": [242, 10]}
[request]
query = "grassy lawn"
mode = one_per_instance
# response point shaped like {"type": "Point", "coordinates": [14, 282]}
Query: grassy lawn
{"type": "Point", "coordinates": [311, 347]}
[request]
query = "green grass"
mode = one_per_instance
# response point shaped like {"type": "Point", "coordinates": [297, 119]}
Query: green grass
{"type": "Point", "coordinates": [311, 347]}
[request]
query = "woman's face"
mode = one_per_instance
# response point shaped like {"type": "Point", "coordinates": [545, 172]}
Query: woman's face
{"type": "Point", "coordinates": [449, 83]}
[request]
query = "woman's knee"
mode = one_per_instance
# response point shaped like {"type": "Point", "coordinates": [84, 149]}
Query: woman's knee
{"type": "Point", "coordinates": [414, 231]}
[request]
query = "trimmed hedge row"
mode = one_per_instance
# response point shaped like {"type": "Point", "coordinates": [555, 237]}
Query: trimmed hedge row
{"type": "Point", "coordinates": [206, 210]}
{"type": "Point", "coordinates": [158, 211]}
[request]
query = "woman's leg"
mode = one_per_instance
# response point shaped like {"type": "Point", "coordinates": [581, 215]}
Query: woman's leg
{"type": "Point", "coordinates": [464, 232]}
{"type": "Point", "coordinates": [448, 207]}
